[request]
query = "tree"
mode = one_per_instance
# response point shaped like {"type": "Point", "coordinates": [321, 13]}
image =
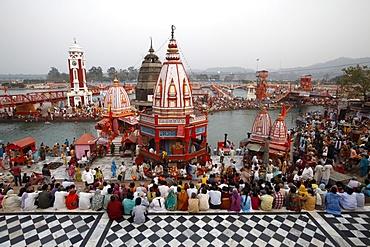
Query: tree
{"type": "Point", "coordinates": [53, 74]}
{"type": "Point", "coordinates": [132, 73]}
{"type": "Point", "coordinates": [356, 81]}
{"type": "Point", "coordinates": [95, 73]}
{"type": "Point", "coordinates": [111, 72]}
{"type": "Point", "coordinates": [123, 75]}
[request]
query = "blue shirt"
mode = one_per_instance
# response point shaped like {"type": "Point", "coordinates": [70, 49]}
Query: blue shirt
{"type": "Point", "coordinates": [333, 203]}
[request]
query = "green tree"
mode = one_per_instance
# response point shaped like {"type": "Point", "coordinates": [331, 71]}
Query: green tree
{"type": "Point", "coordinates": [123, 75]}
{"type": "Point", "coordinates": [95, 73]}
{"type": "Point", "coordinates": [355, 81]}
{"type": "Point", "coordinates": [53, 74]}
{"type": "Point", "coordinates": [111, 71]}
{"type": "Point", "coordinates": [132, 73]}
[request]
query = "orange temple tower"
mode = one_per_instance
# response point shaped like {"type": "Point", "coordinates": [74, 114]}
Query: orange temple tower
{"type": "Point", "coordinates": [306, 82]}
{"type": "Point", "coordinates": [261, 84]}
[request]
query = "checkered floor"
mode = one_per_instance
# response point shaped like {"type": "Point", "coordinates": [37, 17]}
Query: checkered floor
{"type": "Point", "coordinates": [47, 229]}
{"type": "Point", "coordinates": [354, 227]}
{"type": "Point", "coordinates": [218, 230]}
{"type": "Point", "coordinates": [275, 229]}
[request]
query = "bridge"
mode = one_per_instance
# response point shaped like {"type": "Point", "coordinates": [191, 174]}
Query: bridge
{"type": "Point", "coordinates": [13, 100]}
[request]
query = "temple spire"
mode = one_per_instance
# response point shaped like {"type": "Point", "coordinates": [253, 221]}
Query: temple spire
{"type": "Point", "coordinates": [173, 31]}
{"type": "Point", "coordinates": [151, 50]}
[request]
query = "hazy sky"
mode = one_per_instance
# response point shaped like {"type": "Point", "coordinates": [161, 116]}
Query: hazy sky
{"type": "Point", "coordinates": [36, 35]}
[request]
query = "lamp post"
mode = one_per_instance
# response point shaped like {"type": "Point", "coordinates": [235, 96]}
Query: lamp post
{"type": "Point", "coordinates": [257, 64]}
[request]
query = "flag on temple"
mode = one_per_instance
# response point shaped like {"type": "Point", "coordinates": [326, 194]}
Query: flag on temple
{"type": "Point", "coordinates": [284, 112]}
{"type": "Point", "coordinates": [110, 110]}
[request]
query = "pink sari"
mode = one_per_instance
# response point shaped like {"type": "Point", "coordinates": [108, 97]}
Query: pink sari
{"type": "Point", "coordinates": [71, 171]}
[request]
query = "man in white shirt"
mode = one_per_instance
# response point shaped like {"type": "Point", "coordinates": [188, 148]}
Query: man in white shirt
{"type": "Point", "coordinates": [214, 198]}
{"type": "Point", "coordinates": [83, 160]}
{"type": "Point", "coordinates": [84, 199]}
{"type": "Point", "coordinates": [307, 173]}
{"type": "Point", "coordinates": [353, 183]}
{"type": "Point", "coordinates": [88, 176]}
{"type": "Point", "coordinates": [191, 190]}
{"type": "Point", "coordinates": [66, 183]}
{"type": "Point", "coordinates": [164, 189]}
{"type": "Point", "coordinates": [158, 170]}
{"type": "Point", "coordinates": [106, 186]}
{"type": "Point", "coordinates": [123, 170]}
{"type": "Point", "coordinates": [215, 170]}
{"type": "Point", "coordinates": [326, 171]}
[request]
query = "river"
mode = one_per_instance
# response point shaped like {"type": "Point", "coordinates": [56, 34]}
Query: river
{"type": "Point", "coordinates": [235, 123]}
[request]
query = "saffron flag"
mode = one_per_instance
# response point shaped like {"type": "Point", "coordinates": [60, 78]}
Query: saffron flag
{"type": "Point", "coordinates": [284, 112]}
{"type": "Point", "coordinates": [110, 110]}
{"type": "Point", "coordinates": [5, 89]}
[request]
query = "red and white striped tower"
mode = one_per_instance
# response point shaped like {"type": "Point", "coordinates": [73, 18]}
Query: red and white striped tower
{"type": "Point", "coordinates": [79, 94]}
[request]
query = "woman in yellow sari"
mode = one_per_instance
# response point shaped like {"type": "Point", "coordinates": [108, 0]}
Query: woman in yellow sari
{"type": "Point", "coordinates": [302, 190]}
{"type": "Point", "coordinates": [182, 199]}
{"type": "Point", "coordinates": [78, 173]}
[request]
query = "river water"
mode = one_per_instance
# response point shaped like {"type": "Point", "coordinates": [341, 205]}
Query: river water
{"type": "Point", "coordinates": [234, 123]}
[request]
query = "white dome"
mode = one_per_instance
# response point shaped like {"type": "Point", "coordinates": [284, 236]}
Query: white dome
{"type": "Point", "coordinates": [75, 48]}
{"type": "Point", "coordinates": [118, 101]}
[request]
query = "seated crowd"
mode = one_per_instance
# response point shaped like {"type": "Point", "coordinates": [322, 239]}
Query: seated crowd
{"type": "Point", "coordinates": [234, 192]}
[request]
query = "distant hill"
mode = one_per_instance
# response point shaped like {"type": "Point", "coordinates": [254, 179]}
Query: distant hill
{"type": "Point", "coordinates": [20, 77]}
{"type": "Point", "coordinates": [328, 70]}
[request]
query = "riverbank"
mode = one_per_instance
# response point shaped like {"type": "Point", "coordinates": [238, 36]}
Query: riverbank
{"type": "Point", "coordinates": [43, 119]}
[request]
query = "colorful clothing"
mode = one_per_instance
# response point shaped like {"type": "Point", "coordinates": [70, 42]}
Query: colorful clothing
{"type": "Point", "coordinates": [78, 174]}
{"type": "Point", "coordinates": [333, 203]}
{"type": "Point", "coordinates": [182, 201]}
{"type": "Point", "coordinates": [278, 200]}
{"type": "Point", "coordinates": [246, 203]}
{"type": "Point", "coordinates": [171, 201]}
{"type": "Point", "coordinates": [295, 203]}
{"type": "Point", "coordinates": [235, 202]}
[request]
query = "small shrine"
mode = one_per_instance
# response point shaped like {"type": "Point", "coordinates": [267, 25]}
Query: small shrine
{"type": "Point", "coordinates": [119, 121]}
{"type": "Point", "coordinates": [279, 143]}
{"type": "Point", "coordinates": [173, 132]}
{"type": "Point", "coordinates": [268, 137]}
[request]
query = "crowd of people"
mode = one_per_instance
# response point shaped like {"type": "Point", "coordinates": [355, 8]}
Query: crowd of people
{"type": "Point", "coordinates": [220, 189]}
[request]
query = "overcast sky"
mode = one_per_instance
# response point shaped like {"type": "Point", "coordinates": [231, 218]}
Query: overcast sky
{"type": "Point", "coordinates": [35, 35]}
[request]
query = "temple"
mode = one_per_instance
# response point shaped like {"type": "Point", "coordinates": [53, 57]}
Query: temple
{"type": "Point", "coordinates": [173, 132]}
{"type": "Point", "coordinates": [269, 137]}
{"type": "Point", "coordinates": [148, 74]}
{"type": "Point", "coordinates": [119, 122]}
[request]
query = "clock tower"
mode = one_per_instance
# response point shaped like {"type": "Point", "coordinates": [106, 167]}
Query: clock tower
{"type": "Point", "coordinates": [79, 94]}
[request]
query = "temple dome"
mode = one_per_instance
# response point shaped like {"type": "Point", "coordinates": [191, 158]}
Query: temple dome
{"type": "Point", "coordinates": [75, 48]}
{"type": "Point", "coordinates": [172, 92]}
{"type": "Point", "coordinates": [279, 131]}
{"type": "Point", "coordinates": [117, 99]}
{"type": "Point", "coordinates": [261, 125]}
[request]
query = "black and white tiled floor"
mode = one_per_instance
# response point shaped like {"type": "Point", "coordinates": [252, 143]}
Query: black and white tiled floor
{"type": "Point", "coordinates": [271, 229]}
{"type": "Point", "coordinates": [353, 227]}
